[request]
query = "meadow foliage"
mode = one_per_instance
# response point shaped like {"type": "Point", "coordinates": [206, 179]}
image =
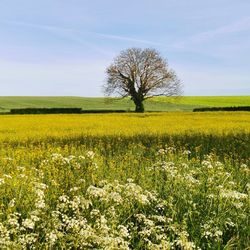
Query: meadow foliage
{"type": "Point", "coordinates": [73, 202]}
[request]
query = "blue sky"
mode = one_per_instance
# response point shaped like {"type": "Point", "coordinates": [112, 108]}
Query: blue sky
{"type": "Point", "coordinates": [62, 47]}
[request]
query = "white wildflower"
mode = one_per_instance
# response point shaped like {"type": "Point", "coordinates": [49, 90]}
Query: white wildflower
{"type": "Point", "coordinates": [28, 223]}
{"type": "Point", "coordinates": [81, 157]}
{"type": "Point", "coordinates": [22, 176]}
{"type": "Point", "coordinates": [116, 197]}
{"type": "Point", "coordinates": [243, 166]}
{"type": "Point", "coordinates": [40, 185]}
{"type": "Point", "coordinates": [219, 165]}
{"type": "Point", "coordinates": [123, 231]}
{"type": "Point", "coordinates": [94, 166]}
{"type": "Point", "coordinates": [34, 218]}
{"type": "Point", "coordinates": [4, 235]}
{"type": "Point", "coordinates": [51, 237]}
{"type": "Point", "coordinates": [210, 231]}
{"type": "Point", "coordinates": [81, 181]}
{"type": "Point", "coordinates": [140, 217]}
{"type": "Point", "coordinates": [170, 150]}
{"type": "Point", "coordinates": [8, 159]}
{"type": "Point", "coordinates": [207, 164]}
{"type": "Point", "coordinates": [183, 241]}
{"type": "Point", "coordinates": [75, 203]}
{"type": "Point", "coordinates": [238, 205]}
{"type": "Point", "coordinates": [74, 189]}
{"type": "Point", "coordinates": [28, 239]}
{"type": "Point", "coordinates": [56, 155]}
{"type": "Point", "coordinates": [64, 198]}
{"type": "Point", "coordinates": [218, 233]}
{"type": "Point", "coordinates": [13, 220]}
{"type": "Point", "coordinates": [186, 152]}
{"type": "Point", "coordinates": [7, 176]}
{"type": "Point", "coordinates": [130, 180]}
{"type": "Point", "coordinates": [184, 165]}
{"type": "Point", "coordinates": [96, 192]}
{"type": "Point", "coordinates": [191, 180]}
{"type": "Point", "coordinates": [12, 202]}
{"type": "Point", "coordinates": [232, 194]}
{"type": "Point", "coordinates": [229, 223]}
{"type": "Point", "coordinates": [95, 212]}
{"type": "Point", "coordinates": [40, 204]}
{"type": "Point", "coordinates": [143, 199]}
{"type": "Point", "coordinates": [158, 218]}
{"type": "Point", "coordinates": [161, 151]}
{"type": "Point", "coordinates": [20, 168]}
{"type": "Point", "coordinates": [90, 154]}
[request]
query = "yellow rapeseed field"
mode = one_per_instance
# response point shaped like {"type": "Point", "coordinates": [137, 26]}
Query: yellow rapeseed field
{"type": "Point", "coordinates": [22, 127]}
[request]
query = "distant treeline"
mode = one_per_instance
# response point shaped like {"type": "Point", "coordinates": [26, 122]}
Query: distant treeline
{"type": "Point", "coordinates": [241, 108]}
{"type": "Point", "coordinates": [61, 111]}
{"type": "Point", "coordinates": [46, 111]}
{"type": "Point", "coordinates": [103, 111]}
{"type": "Point", "coordinates": [89, 111]}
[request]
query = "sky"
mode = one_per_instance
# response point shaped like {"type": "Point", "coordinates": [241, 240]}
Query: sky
{"type": "Point", "coordinates": [62, 47]}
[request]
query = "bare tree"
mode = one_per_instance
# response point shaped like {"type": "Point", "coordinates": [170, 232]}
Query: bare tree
{"type": "Point", "coordinates": [141, 74]}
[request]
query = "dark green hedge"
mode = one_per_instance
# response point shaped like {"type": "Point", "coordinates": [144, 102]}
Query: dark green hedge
{"type": "Point", "coordinates": [46, 111]}
{"type": "Point", "coordinates": [62, 111]}
{"type": "Point", "coordinates": [242, 108]}
{"type": "Point", "coordinates": [103, 111]}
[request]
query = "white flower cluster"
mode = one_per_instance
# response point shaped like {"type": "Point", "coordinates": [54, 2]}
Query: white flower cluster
{"type": "Point", "coordinates": [108, 216]}
{"type": "Point", "coordinates": [211, 231]}
{"type": "Point", "coordinates": [232, 194]}
{"type": "Point", "coordinates": [84, 213]}
{"type": "Point", "coordinates": [94, 219]}
{"type": "Point", "coordinates": [166, 151]}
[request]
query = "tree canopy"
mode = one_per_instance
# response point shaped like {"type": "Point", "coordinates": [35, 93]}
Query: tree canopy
{"type": "Point", "coordinates": [141, 74]}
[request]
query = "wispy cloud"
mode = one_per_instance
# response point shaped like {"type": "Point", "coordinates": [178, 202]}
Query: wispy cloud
{"type": "Point", "coordinates": [75, 32]}
{"type": "Point", "coordinates": [129, 39]}
{"type": "Point", "coordinates": [81, 37]}
{"type": "Point", "coordinates": [36, 26]}
{"type": "Point", "coordinates": [71, 34]}
{"type": "Point", "coordinates": [239, 26]}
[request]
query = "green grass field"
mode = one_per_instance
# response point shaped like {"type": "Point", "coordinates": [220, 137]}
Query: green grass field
{"type": "Point", "coordinates": [186, 103]}
{"type": "Point", "coordinates": [208, 101]}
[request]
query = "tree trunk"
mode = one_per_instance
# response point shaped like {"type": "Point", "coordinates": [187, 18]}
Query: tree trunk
{"type": "Point", "coordinates": [139, 106]}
